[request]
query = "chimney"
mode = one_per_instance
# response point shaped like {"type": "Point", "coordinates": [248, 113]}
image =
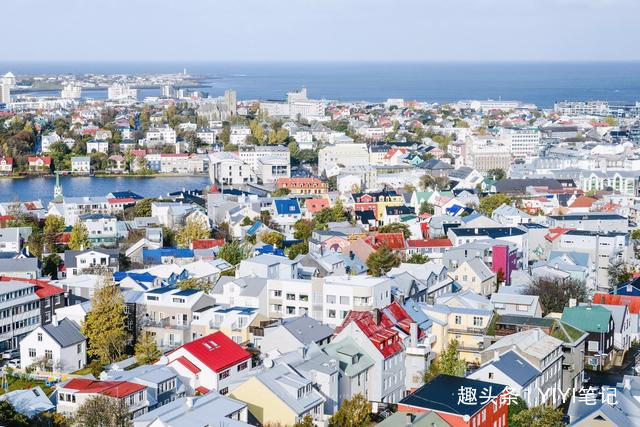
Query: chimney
{"type": "Point", "coordinates": [409, 419]}
{"type": "Point", "coordinates": [413, 332]}
{"type": "Point", "coordinates": [54, 320]}
{"type": "Point", "coordinates": [377, 315]}
{"type": "Point", "coordinates": [189, 402]}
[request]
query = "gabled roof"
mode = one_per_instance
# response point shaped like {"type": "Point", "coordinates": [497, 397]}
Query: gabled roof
{"type": "Point", "coordinates": [632, 302]}
{"type": "Point", "coordinates": [590, 319]}
{"type": "Point", "coordinates": [66, 333]}
{"type": "Point", "coordinates": [287, 206]}
{"type": "Point", "coordinates": [379, 333]}
{"type": "Point", "coordinates": [516, 367]}
{"type": "Point", "coordinates": [116, 389]}
{"type": "Point", "coordinates": [306, 330]}
{"type": "Point", "coordinates": [441, 395]}
{"type": "Point", "coordinates": [217, 351]}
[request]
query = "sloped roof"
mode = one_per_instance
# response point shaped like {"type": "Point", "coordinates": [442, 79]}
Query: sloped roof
{"type": "Point", "coordinates": [517, 368]}
{"type": "Point", "coordinates": [66, 333]}
{"type": "Point", "coordinates": [217, 351]}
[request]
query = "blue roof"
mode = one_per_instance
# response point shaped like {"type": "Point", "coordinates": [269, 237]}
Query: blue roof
{"type": "Point", "coordinates": [287, 206]}
{"type": "Point", "coordinates": [269, 249]}
{"type": "Point", "coordinates": [155, 255]}
{"type": "Point", "coordinates": [516, 368]}
{"type": "Point", "coordinates": [580, 258]}
{"type": "Point", "coordinates": [126, 195]}
{"type": "Point", "coordinates": [138, 277]}
{"type": "Point", "coordinates": [630, 288]}
{"type": "Point", "coordinates": [494, 233]}
{"type": "Point", "coordinates": [454, 209]}
{"type": "Point", "coordinates": [187, 292]}
{"type": "Point", "coordinates": [241, 310]}
{"type": "Point", "coordinates": [254, 228]}
{"type": "Point", "coordinates": [162, 290]}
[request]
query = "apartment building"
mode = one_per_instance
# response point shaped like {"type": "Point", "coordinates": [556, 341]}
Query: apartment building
{"type": "Point", "coordinates": [251, 154]}
{"type": "Point", "coordinates": [19, 312]}
{"type": "Point", "coordinates": [169, 312]}
{"type": "Point", "coordinates": [228, 169]}
{"type": "Point", "coordinates": [102, 229]}
{"type": "Point", "coordinates": [342, 154]}
{"type": "Point", "coordinates": [304, 185]}
{"type": "Point", "coordinates": [343, 294]}
{"type": "Point", "coordinates": [292, 298]}
{"type": "Point", "coordinates": [523, 143]}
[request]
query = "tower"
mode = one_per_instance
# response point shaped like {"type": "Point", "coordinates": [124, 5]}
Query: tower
{"type": "Point", "coordinates": [57, 190]}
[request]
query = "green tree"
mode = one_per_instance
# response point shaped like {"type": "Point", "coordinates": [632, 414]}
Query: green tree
{"type": "Point", "coordinates": [79, 237]}
{"type": "Point", "coordinates": [497, 174]}
{"type": "Point", "coordinates": [303, 229]}
{"type": "Point", "coordinates": [103, 411]}
{"type": "Point", "coordinates": [272, 238]}
{"type": "Point", "coordinates": [280, 192]}
{"type": "Point", "coordinates": [53, 226]}
{"type": "Point", "coordinates": [417, 259]}
{"type": "Point", "coordinates": [426, 207]}
{"type": "Point", "coordinates": [333, 214]}
{"type": "Point", "coordinates": [611, 121]}
{"type": "Point", "coordinates": [538, 416]}
{"type": "Point", "coordinates": [142, 208]}
{"type": "Point", "coordinates": [448, 362]}
{"type": "Point", "coordinates": [105, 324]}
{"type": "Point", "coordinates": [635, 234]}
{"type": "Point", "coordinates": [555, 293]}
{"type": "Point", "coordinates": [381, 261]}
{"type": "Point", "coordinates": [515, 407]}
{"type": "Point", "coordinates": [193, 229]}
{"type": "Point", "coordinates": [396, 227]}
{"type": "Point", "coordinates": [50, 265]}
{"type": "Point", "coordinates": [298, 249]}
{"type": "Point", "coordinates": [619, 272]}
{"type": "Point", "coordinates": [489, 204]}
{"type": "Point", "coordinates": [35, 242]}
{"type": "Point", "coordinates": [146, 349]}
{"type": "Point", "coordinates": [353, 412]}
{"type": "Point", "coordinates": [12, 418]}
{"type": "Point", "coordinates": [233, 253]}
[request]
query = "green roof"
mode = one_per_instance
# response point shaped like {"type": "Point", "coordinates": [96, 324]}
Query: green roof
{"type": "Point", "coordinates": [590, 319]}
{"type": "Point", "coordinates": [407, 217]}
{"type": "Point", "coordinates": [428, 419]}
{"type": "Point", "coordinates": [565, 332]}
{"type": "Point", "coordinates": [351, 358]}
{"type": "Point", "coordinates": [423, 196]}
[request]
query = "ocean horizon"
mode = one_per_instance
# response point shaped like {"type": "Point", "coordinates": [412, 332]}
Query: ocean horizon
{"type": "Point", "coordinates": [538, 82]}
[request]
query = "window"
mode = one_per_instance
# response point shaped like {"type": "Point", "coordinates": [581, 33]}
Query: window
{"type": "Point", "coordinates": [331, 314]}
{"type": "Point", "coordinates": [224, 374]}
{"type": "Point", "coordinates": [132, 399]}
{"type": "Point", "coordinates": [331, 299]}
{"type": "Point", "coordinates": [458, 320]}
{"type": "Point", "coordinates": [490, 375]}
{"type": "Point", "coordinates": [48, 354]}
{"type": "Point", "coordinates": [79, 348]}
{"type": "Point", "coordinates": [39, 336]}
{"type": "Point", "coordinates": [32, 352]}
{"type": "Point", "coordinates": [477, 321]}
{"type": "Point", "coordinates": [277, 294]}
{"type": "Point", "coordinates": [224, 391]}
{"type": "Point", "coordinates": [141, 396]}
{"type": "Point", "coordinates": [242, 366]}
{"type": "Point", "coordinates": [344, 300]}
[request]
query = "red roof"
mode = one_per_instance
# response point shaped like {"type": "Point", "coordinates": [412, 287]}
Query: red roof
{"type": "Point", "coordinates": [185, 362]}
{"type": "Point", "coordinates": [554, 233]}
{"type": "Point", "coordinates": [123, 200]}
{"type": "Point", "coordinates": [116, 389]}
{"type": "Point", "coordinates": [207, 243]}
{"type": "Point", "coordinates": [583, 202]}
{"type": "Point", "coordinates": [8, 160]}
{"type": "Point", "coordinates": [43, 287]}
{"type": "Point", "coordinates": [429, 243]}
{"type": "Point", "coordinates": [399, 318]}
{"type": "Point", "coordinates": [383, 337]}
{"type": "Point", "coordinates": [45, 159]}
{"type": "Point", "coordinates": [217, 351]}
{"type": "Point", "coordinates": [316, 205]}
{"type": "Point", "coordinates": [394, 241]}
{"type": "Point", "coordinates": [202, 390]}
{"type": "Point", "coordinates": [632, 302]}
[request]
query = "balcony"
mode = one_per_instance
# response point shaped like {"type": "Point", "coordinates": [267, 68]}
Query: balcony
{"type": "Point", "coordinates": [468, 331]}
{"type": "Point", "coordinates": [165, 323]}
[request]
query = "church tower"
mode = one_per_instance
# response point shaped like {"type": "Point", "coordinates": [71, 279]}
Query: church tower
{"type": "Point", "coordinates": [57, 190]}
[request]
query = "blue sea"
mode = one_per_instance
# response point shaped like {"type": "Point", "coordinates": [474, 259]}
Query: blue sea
{"type": "Point", "coordinates": [541, 83]}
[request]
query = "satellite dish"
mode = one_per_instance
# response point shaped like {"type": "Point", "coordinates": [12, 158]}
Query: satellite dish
{"type": "Point", "coordinates": [268, 363]}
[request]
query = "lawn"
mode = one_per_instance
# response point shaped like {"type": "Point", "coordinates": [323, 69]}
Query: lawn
{"type": "Point", "coordinates": [20, 383]}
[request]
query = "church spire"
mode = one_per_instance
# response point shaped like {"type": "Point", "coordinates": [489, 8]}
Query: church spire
{"type": "Point", "coordinates": [57, 190]}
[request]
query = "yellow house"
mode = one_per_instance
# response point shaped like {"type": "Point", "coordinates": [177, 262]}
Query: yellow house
{"type": "Point", "coordinates": [465, 317]}
{"type": "Point", "coordinates": [280, 396]}
{"type": "Point", "coordinates": [238, 323]}
{"type": "Point", "coordinates": [476, 276]}
{"type": "Point", "coordinates": [377, 202]}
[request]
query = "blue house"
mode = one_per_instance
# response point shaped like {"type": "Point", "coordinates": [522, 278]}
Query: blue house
{"type": "Point", "coordinates": [166, 255]}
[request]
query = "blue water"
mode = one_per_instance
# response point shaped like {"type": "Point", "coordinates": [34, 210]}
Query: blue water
{"type": "Point", "coordinates": [541, 83]}
{"type": "Point", "coordinates": [42, 188]}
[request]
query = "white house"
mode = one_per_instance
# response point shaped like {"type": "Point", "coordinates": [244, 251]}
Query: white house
{"type": "Point", "coordinates": [60, 343]}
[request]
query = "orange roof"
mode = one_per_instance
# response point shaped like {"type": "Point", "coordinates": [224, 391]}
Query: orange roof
{"type": "Point", "coordinates": [554, 233]}
{"type": "Point", "coordinates": [583, 202]}
{"type": "Point", "coordinates": [316, 205]}
{"type": "Point", "coordinates": [301, 183]}
{"type": "Point", "coordinates": [207, 243]}
{"type": "Point", "coordinates": [429, 243]}
{"type": "Point", "coordinates": [390, 240]}
{"type": "Point", "coordinates": [632, 302]}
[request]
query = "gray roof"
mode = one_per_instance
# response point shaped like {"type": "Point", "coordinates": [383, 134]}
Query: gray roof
{"type": "Point", "coordinates": [145, 374]}
{"type": "Point", "coordinates": [252, 286]}
{"type": "Point", "coordinates": [517, 368]}
{"type": "Point", "coordinates": [30, 402]}
{"type": "Point", "coordinates": [70, 255]}
{"type": "Point", "coordinates": [284, 382]}
{"type": "Point", "coordinates": [66, 333]}
{"type": "Point", "coordinates": [212, 409]}
{"type": "Point", "coordinates": [19, 264]}
{"type": "Point", "coordinates": [306, 330]}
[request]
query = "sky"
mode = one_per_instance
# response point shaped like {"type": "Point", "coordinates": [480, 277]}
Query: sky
{"type": "Point", "coordinates": [320, 30]}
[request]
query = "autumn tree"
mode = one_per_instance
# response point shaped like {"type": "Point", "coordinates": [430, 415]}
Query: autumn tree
{"type": "Point", "coordinates": [53, 226]}
{"type": "Point", "coordinates": [353, 412]}
{"type": "Point", "coordinates": [79, 237]}
{"type": "Point", "coordinates": [105, 325]}
{"type": "Point", "coordinates": [193, 283]}
{"type": "Point", "coordinates": [448, 362]}
{"type": "Point", "coordinates": [280, 192]}
{"type": "Point", "coordinates": [103, 411]}
{"type": "Point", "coordinates": [303, 229]}
{"type": "Point", "coordinates": [307, 421]}
{"type": "Point", "coordinates": [272, 238]}
{"type": "Point", "coordinates": [426, 207]}
{"type": "Point", "coordinates": [193, 229]}
{"type": "Point", "coordinates": [298, 249]}
{"type": "Point", "coordinates": [555, 294]}
{"type": "Point", "coordinates": [146, 349]}
{"type": "Point", "coordinates": [489, 204]}
{"type": "Point", "coordinates": [381, 261]}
